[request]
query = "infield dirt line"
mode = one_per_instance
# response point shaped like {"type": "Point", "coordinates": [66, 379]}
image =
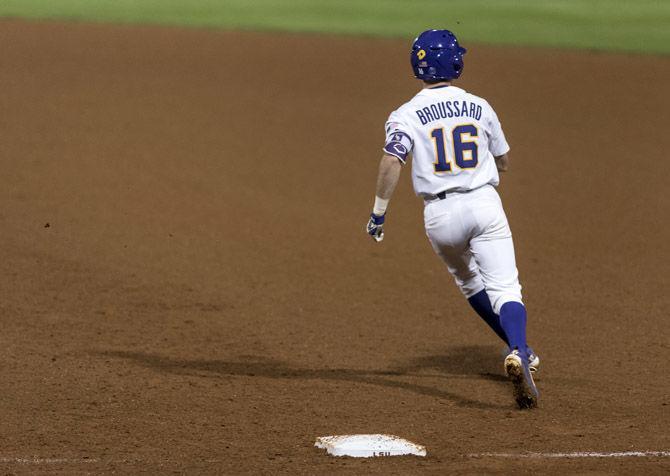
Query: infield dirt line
{"type": "Point", "coordinates": [38, 460]}
{"type": "Point", "coordinates": [577, 454]}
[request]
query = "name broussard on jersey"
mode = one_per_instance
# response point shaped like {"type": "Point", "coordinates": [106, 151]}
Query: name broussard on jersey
{"type": "Point", "coordinates": [445, 109]}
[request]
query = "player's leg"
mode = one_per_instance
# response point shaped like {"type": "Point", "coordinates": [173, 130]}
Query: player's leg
{"type": "Point", "coordinates": [460, 263]}
{"type": "Point", "coordinates": [497, 266]}
{"type": "Point", "coordinates": [481, 303]}
{"type": "Point", "coordinates": [450, 224]}
{"type": "Point", "coordinates": [476, 222]}
{"type": "Point", "coordinates": [451, 243]}
{"type": "Point", "coordinates": [493, 250]}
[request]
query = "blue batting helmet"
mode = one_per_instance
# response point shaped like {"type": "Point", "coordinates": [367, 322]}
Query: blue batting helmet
{"type": "Point", "coordinates": [437, 56]}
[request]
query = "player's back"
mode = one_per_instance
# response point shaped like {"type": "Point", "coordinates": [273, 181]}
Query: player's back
{"type": "Point", "coordinates": [455, 136]}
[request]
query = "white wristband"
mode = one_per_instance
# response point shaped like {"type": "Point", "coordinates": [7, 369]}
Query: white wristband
{"type": "Point", "coordinates": [380, 206]}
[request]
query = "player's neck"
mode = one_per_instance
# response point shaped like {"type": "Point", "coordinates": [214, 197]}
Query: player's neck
{"type": "Point", "coordinates": [441, 84]}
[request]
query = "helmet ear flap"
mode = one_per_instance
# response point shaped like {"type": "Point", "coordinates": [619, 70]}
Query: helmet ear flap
{"type": "Point", "coordinates": [457, 65]}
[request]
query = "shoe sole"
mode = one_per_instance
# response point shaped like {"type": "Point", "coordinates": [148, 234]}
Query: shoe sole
{"type": "Point", "coordinates": [523, 393]}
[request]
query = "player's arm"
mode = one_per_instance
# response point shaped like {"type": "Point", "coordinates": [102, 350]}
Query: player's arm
{"type": "Point", "coordinates": [502, 162]}
{"type": "Point", "coordinates": [498, 145]}
{"type": "Point", "coordinates": [397, 148]}
{"type": "Point", "coordinates": [388, 176]}
{"type": "Point", "coordinates": [387, 180]}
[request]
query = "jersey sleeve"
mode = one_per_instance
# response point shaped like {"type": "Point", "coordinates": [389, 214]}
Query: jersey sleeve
{"type": "Point", "coordinates": [399, 141]}
{"type": "Point", "coordinates": [497, 143]}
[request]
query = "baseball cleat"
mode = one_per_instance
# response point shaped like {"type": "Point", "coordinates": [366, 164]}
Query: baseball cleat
{"type": "Point", "coordinates": [518, 371]}
{"type": "Point", "coordinates": [533, 360]}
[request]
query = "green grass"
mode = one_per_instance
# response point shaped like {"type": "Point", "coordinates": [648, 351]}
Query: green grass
{"type": "Point", "coordinates": [620, 25]}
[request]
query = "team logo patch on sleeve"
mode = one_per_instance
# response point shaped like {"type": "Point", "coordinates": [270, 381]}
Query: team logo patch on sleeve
{"type": "Point", "coordinates": [399, 145]}
{"type": "Point", "coordinates": [399, 149]}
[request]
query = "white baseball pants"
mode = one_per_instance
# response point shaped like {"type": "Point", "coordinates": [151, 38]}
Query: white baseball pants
{"type": "Point", "coordinates": [469, 231]}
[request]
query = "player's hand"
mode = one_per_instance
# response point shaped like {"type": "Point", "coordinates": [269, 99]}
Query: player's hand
{"type": "Point", "coordinates": [375, 227]}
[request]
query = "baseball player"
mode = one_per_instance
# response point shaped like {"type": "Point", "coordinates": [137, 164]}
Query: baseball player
{"type": "Point", "coordinates": [458, 148]}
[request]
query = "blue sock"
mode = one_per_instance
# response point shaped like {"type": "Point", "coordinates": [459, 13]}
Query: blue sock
{"type": "Point", "coordinates": [513, 321]}
{"type": "Point", "coordinates": [482, 305]}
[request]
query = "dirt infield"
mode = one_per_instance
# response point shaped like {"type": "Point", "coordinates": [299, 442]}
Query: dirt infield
{"type": "Point", "coordinates": [186, 285]}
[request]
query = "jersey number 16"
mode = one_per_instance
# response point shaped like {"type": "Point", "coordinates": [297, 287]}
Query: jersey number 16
{"type": "Point", "coordinates": [464, 146]}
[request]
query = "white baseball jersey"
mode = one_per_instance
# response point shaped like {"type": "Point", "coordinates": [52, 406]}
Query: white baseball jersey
{"type": "Point", "coordinates": [453, 136]}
